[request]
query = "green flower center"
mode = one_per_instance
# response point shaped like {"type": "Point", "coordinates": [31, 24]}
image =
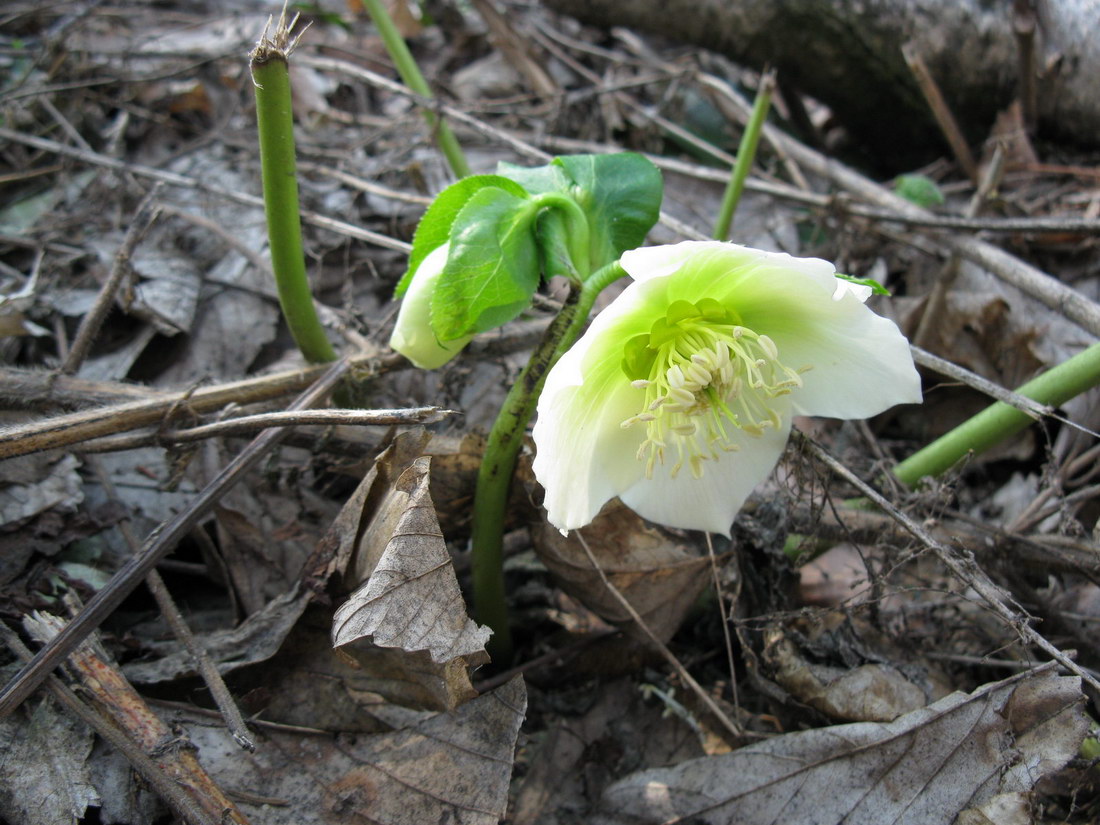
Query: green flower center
{"type": "Point", "coordinates": [704, 375]}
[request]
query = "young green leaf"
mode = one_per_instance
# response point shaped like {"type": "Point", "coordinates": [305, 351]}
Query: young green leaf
{"type": "Point", "coordinates": [876, 287]}
{"type": "Point", "coordinates": [493, 267]}
{"type": "Point", "coordinates": [434, 228]}
{"type": "Point", "coordinates": [919, 189]}
{"type": "Point", "coordinates": [620, 194]}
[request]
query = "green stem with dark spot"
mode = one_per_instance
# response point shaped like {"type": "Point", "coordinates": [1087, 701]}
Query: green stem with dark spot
{"type": "Point", "coordinates": [494, 477]}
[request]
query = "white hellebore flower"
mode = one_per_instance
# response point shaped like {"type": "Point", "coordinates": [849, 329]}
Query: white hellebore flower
{"type": "Point", "coordinates": [412, 333]}
{"type": "Point", "coordinates": [679, 397]}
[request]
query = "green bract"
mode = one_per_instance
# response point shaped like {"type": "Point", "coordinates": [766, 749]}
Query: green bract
{"type": "Point", "coordinates": [679, 397]}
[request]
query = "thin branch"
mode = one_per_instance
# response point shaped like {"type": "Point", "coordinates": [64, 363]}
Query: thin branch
{"type": "Point", "coordinates": [184, 182]}
{"type": "Point", "coordinates": [734, 729]}
{"type": "Point", "coordinates": [963, 567]}
{"type": "Point", "coordinates": [161, 542]}
{"type": "Point", "coordinates": [168, 789]}
{"type": "Point", "coordinates": [261, 421]}
{"type": "Point", "coordinates": [120, 271]}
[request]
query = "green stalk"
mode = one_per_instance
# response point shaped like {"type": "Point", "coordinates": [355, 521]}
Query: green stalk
{"type": "Point", "coordinates": [494, 476]}
{"type": "Point", "coordinates": [410, 74]}
{"type": "Point", "coordinates": [746, 154]}
{"type": "Point", "coordinates": [275, 121]}
{"type": "Point", "coordinates": [1000, 420]}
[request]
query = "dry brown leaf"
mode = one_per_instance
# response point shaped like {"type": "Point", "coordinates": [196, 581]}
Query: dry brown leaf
{"type": "Point", "coordinates": [922, 769]}
{"type": "Point", "coordinates": [871, 692]}
{"type": "Point", "coordinates": [659, 573]}
{"type": "Point", "coordinates": [411, 603]}
{"type": "Point", "coordinates": [447, 767]}
{"type": "Point", "coordinates": [1003, 809]}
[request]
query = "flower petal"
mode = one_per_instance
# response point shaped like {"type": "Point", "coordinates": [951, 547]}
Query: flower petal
{"type": "Point", "coordinates": [711, 502]}
{"type": "Point", "coordinates": [412, 332]}
{"type": "Point", "coordinates": [584, 456]}
{"type": "Point", "coordinates": [861, 364]}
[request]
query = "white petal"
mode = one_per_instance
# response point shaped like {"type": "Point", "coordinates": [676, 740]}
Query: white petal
{"type": "Point", "coordinates": [659, 261]}
{"type": "Point", "coordinates": [584, 456]}
{"type": "Point", "coordinates": [860, 362]}
{"type": "Point", "coordinates": [412, 332]}
{"type": "Point", "coordinates": [711, 502]}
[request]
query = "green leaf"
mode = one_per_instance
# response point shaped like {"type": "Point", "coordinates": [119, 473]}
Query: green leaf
{"type": "Point", "coordinates": [620, 194]}
{"type": "Point", "coordinates": [536, 179]}
{"type": "Point", "coordinates": [434, 228]}
{"type": "Point", "coordinates": [919, 189]}
{"type": "Point", "coordinates": [876, 287]}
{"type": "Point", "coordinates": [493, 266]}
{"type": "Point", "coordinates": [638, 357]}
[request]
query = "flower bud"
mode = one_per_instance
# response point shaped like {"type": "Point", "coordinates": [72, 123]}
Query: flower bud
{"type": "Point", "coordinates": [412, 334]}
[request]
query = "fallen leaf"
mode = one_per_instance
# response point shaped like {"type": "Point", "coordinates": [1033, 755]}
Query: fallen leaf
{"type": "Point", "coordinates": [575, 757]}
{"type": "Point", "coordinates": [44, 777]}
{"type": "Point", "coordinates": [923, 768]}
{"type": "Point", "coordinates": [445, 767]}
{"type": "Point", "coordinates": [658, 572]}
{"type": "Point", "coordinates": [1003, 809]}
{"type": "Point", "coordinates": [256, 639]}
{"type": "Point", "coordinates": [32, 484]}
{"type": "Point", "coordinates": [869, 692]}
{"type": "Point", "coordinates": [412, 603]}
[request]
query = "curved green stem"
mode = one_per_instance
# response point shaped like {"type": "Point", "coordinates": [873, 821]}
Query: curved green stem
{"type": "Point", "coordinates": [410, 74]}
{"type": "Point", "coordinates": [1000, 420]}
{"type": "Point", "coordinates": [280, 183]}
{"type": "Point", "coordinates": [494, 476]}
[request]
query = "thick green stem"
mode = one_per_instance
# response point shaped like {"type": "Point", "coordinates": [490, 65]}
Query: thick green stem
{"type": "Point", "coordinates": [280, 182]}
{"type": "Point", "coordinates": [999, 421]}
{"type": "Point", "coordinates": [746, 154]}
{"type": "Point", "coordinates": [494, 476]}
{"type": "Point", "coordinates": [410, 74]}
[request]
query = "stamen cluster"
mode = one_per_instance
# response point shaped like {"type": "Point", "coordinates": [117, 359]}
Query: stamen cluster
{"type": "Point", "coordinates": [706, 374]}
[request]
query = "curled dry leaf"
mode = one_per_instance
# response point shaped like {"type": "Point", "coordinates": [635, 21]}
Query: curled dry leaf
{"type": "Point", "coordinates": [921, 769]}
{"type": "Point", "coordinates": [871, 692]}
{"type": "Point", "coordinates": [659, 572]}
{"type": "Point", "coordinates": [412, 604]}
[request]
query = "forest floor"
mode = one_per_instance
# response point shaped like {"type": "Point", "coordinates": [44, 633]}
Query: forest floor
{"type": "Point", "coordinates": [930, 659]}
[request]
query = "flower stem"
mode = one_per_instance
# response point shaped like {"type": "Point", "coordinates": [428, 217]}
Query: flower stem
{"type": "Point", "coordinates": [275, 122]}
{"type": "Point", "coordinates": [746, 154]}
{"type": "Point", "coordinates": [410, 74]}
{"type": "Point", "coordinates": [1000, 420]}
{"type": "Point", "coordinates": [494, 476]}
